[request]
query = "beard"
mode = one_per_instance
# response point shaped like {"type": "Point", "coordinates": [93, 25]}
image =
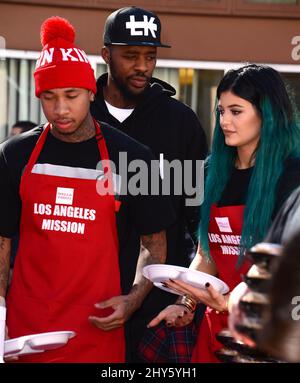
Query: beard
{"type": "Point", "coordinates": [123, 87]}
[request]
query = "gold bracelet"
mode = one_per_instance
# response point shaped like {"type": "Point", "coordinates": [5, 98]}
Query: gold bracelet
{"type": "Point", "coordinates": [226, 307]}
{"type": "Point", "coordinates": [187, 302]}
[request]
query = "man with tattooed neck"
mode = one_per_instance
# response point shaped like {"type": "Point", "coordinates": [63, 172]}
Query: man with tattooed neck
{"type": "Point", "coordinates": [59, 185]}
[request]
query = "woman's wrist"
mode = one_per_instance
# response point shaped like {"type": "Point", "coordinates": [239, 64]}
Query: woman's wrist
{"type": "Point", "coordinates": [225, 305]}
{"type": "Point", "coordinates": [188, 302]}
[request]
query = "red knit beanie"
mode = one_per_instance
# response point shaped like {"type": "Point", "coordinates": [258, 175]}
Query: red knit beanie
{"type": "Point", "coordinates": [61, 64]}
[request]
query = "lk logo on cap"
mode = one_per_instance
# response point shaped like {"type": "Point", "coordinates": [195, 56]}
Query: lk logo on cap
{"type": "Point", "coordinates": [133, 26]}
{"type": "Point", "coordinates": [141, 28]}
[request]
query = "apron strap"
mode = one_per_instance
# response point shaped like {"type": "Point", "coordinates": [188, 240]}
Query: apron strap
{"type": "Point", "coordinates": [101, 147]}
{"type": "Point", "coordinates": [105, 163]}
{"type": "Point", "coordinates": [41, 141]}
{"type": "Point", "coordinates": [37, 149]}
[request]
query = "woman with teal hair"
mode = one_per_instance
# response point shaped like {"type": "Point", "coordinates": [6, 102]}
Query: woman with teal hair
{"type": "Point", "coordinates": [253, 167]}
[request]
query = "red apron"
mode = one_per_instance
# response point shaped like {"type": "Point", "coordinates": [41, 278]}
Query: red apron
{"type": "Point", "coordinates": [67, 261]}
{"type": "Point", "coordinates": [225, 228]}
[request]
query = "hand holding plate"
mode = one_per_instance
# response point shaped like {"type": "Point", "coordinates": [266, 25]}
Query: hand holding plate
{"type": "Point", "coordinates": [209, 296]}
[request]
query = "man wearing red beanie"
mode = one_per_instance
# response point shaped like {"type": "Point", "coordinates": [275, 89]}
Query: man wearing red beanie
{"type": "Point", "coordinates": [66, 275]}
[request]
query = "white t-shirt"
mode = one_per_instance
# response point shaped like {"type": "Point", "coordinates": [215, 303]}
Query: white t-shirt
{"type": "Point", "coordinates": [118, 113]}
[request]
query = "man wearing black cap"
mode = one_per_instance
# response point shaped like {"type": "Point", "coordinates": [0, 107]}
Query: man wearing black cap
{"type": "Point", "coordinates": [129, 98]}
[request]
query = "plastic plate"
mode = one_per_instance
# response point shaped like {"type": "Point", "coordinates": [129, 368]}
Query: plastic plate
{"type": "Point", "coordinates": [35, 343]}
{"type": "Point", "coordinates": [159, 273]}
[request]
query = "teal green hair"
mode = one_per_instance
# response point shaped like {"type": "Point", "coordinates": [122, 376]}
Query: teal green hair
{"type": "Point", "coordinates": [279, 139]}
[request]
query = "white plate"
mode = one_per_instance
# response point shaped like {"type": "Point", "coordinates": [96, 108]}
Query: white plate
{"type": "Point", "coordinates": [160, 273]}
{"type": "Point", "coordinates": [30, 344]}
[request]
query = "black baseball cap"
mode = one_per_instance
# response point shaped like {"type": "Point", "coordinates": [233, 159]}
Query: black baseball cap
{"type": "Point", "coordinates": [133, 26]}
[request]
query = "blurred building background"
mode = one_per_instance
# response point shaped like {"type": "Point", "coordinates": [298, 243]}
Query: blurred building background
{"type": "Point", "coordinates": [208, 37]}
